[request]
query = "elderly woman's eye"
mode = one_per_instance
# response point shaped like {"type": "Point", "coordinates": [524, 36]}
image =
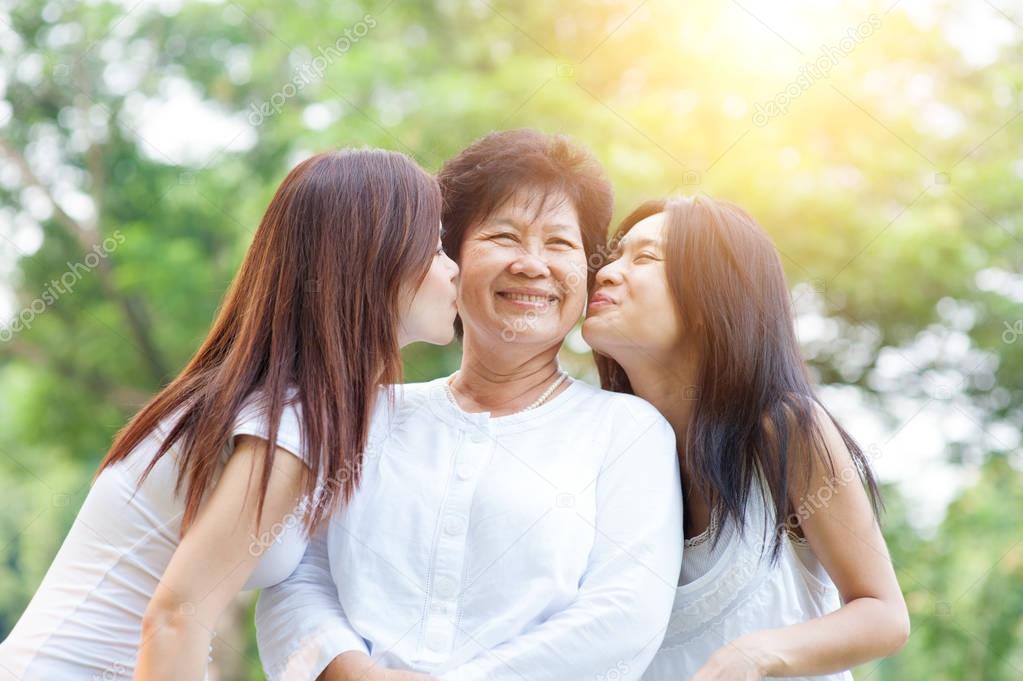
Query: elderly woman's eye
{"type": "Point", "coordinates": [562, 242]}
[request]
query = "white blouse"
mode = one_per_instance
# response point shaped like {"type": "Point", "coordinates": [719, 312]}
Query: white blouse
{"type": "Point", "coordinates": [540, 545]}
{"type": "Point", "coordinates": [85, 620]}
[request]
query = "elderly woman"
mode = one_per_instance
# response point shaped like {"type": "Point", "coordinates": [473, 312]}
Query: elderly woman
{"type": "Point", "coordinates": [510, 523]}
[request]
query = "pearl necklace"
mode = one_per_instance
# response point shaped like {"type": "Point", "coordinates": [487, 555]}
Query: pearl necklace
{"type": "Point", "coordinates": [540, 400]}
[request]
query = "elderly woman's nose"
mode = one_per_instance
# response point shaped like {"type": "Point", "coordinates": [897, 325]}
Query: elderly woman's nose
{"type": "Point", "coordinates": [530, 264]}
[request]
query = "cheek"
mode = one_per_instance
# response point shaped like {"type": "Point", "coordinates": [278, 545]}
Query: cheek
{"type": "Point", "coordinates": [470, 276]}
{"type": "Point", "coordinates": [661, 298]}
{"type": "Point", "coordinates": [572, 278]}
{"type": "Point", "coordinates": [430, 285]}
{"type": "Point", "coordinates": [652, 308]}
{"type": "Point", "coordinates": [473, 293]}
{"type": "Point", "coordinates": [440, 275]}
{"type": "Point", "coordinates": [477, 268]}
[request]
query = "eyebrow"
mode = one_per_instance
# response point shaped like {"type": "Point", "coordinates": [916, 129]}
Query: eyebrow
{"type": "Point", "coordinates": [501, 221]}
{"type": "Point", "coordinates": [560, 226]}
{"type": "Point", "coordinates": [564, 227]}
{"type": "Point", "coordinates": [637, 243]}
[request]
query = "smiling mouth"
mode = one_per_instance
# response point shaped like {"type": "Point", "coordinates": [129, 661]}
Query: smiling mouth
{"type": "Point", "coordinates": [531, 299]}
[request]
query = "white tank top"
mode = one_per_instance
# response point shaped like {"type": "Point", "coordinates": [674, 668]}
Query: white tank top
{"type": "Point", "coordinates": [84, 623]}
{"type": "Point", "coordinates": [735, 590]}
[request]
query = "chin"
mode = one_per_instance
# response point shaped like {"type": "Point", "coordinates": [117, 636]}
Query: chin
{"type": "Point", "coordinates": [591, 326]}
{"type": "Point", "coordinates": [444, 337]}
{"type": "Point", "coordinates": [532, 336]}
{"type": "Point", "coordinates": [595, 336]}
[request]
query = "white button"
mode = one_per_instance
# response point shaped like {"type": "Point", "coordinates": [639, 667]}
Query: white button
{"type": "Point", "coordinates": [441, 606]}
{"type": "Point", "coordinates": [454, 525]}
{"type": "Point", "coordinates": [446, 587]}
{"type": "Point", "coordinates": [464, 471]}
{"type": "Point", "coordinates": [479, 435]}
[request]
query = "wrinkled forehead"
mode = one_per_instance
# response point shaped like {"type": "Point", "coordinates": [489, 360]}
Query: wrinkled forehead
{"type": "Point", "coordinates": [536, 207]}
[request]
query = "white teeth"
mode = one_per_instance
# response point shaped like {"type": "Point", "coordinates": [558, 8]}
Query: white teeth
{"type": "Point", "coordinates": [527, 298]}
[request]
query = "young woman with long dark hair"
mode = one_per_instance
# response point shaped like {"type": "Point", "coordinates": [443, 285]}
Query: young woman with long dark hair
{"type": "Point", "coordinates": [785, 571]}
{"type": "Point", "coordinates": [215, 484]}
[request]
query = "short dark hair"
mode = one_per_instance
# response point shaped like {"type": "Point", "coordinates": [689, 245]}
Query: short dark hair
{"type": "Point", "coordinates": [490, 170]}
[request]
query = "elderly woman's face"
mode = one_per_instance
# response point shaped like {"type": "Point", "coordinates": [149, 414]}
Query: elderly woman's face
{"type": "Point", "coordinates": [523, 272]}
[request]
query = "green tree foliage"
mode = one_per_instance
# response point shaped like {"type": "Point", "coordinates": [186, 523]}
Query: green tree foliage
{"type": "Point", "coordinates": [882, 158]}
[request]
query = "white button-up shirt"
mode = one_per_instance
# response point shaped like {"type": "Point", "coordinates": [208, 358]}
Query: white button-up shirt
{"type": "Point", "coordinates": [541, 545]}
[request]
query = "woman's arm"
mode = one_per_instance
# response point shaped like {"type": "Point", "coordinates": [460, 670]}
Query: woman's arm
{"type": "Point", "coordinates": [302, 630]}
{"type": "Point", "coordinates": [357, 666]}
{"type": "Point", "coordinates": [213, 561]}
{"type": "Point", "coordinates": [846, 538]}
{"type": "Point", "coordinates": [618, 619]}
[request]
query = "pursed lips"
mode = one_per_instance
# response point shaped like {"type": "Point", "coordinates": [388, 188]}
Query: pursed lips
{"type": "Point", "coordinates": [601, 299]}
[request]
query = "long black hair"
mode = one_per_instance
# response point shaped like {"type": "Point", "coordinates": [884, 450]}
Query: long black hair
{"type": "Point", "coordinates": [755, 411]}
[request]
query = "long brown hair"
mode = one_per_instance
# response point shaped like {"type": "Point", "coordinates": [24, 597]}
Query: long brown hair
{"type": "Point", "coordinates": [314, 308]}
{"type": "Point", "coordinates": [754, 398]}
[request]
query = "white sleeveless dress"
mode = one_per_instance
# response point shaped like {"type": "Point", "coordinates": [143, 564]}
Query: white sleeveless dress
{"type": "Point", "coordinates": [739, 591]}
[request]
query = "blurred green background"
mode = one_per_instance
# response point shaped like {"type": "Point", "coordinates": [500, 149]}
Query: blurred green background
{"type": "Point", "coordinates": [878, 143]}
